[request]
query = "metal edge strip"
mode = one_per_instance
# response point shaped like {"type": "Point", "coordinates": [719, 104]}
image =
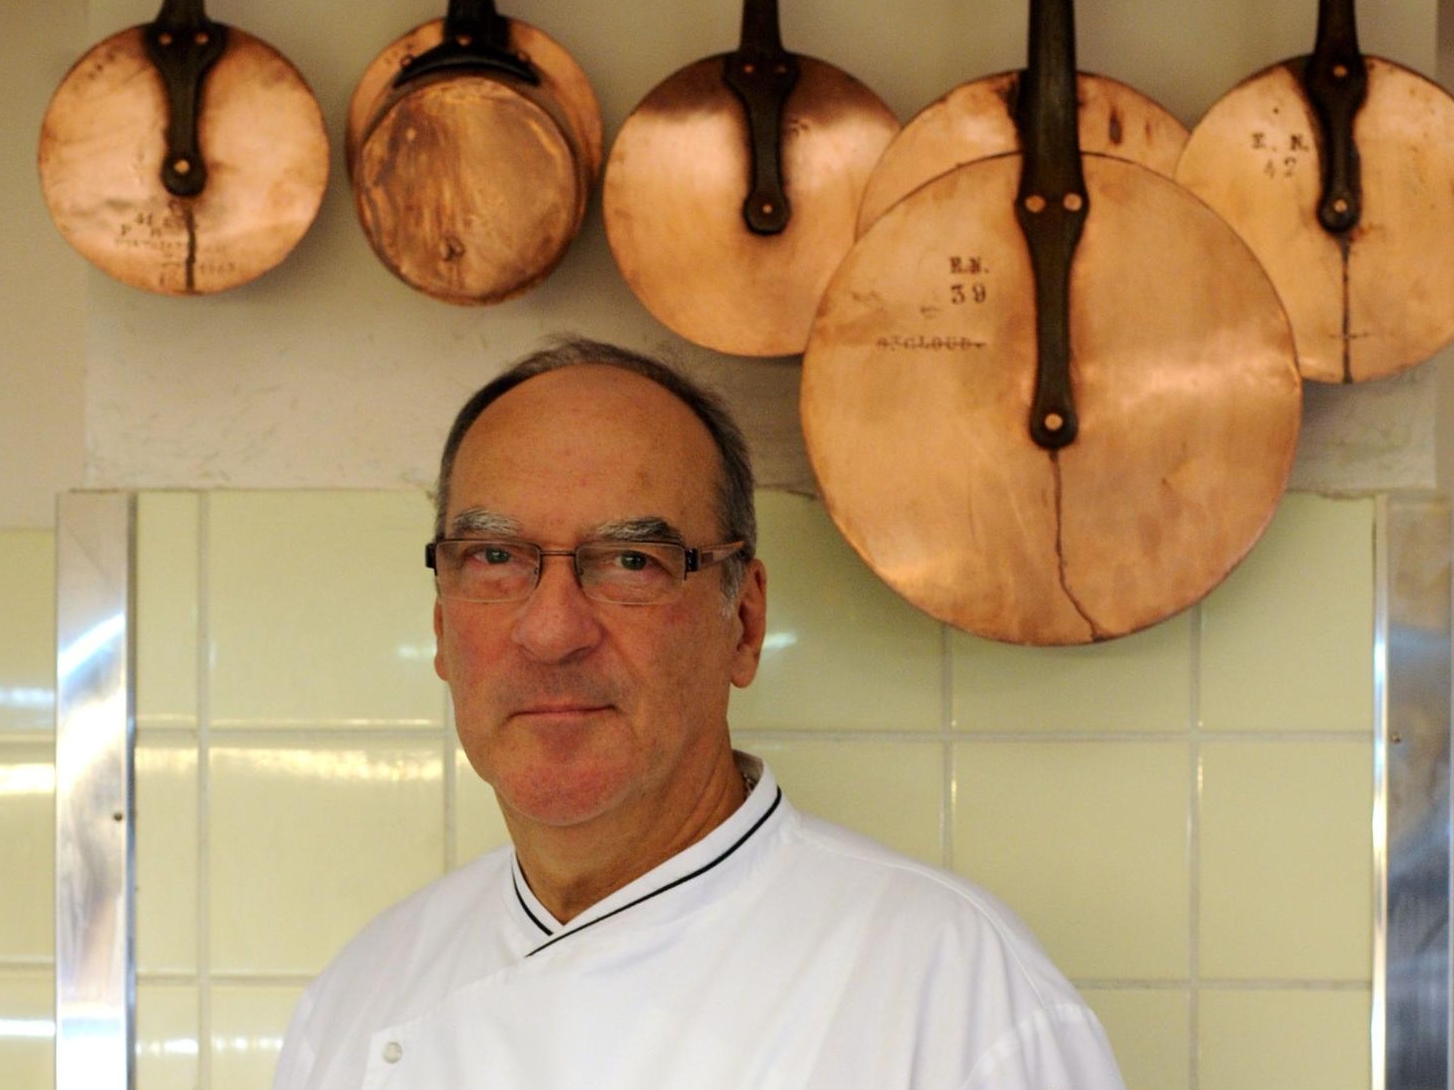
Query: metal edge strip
{"type": "Point", "coordinates": [1412, 985]}
{"type": "Point", "coordinates": [95, 848]}
{"type": "Point", "coordinates": [1378, 1016]}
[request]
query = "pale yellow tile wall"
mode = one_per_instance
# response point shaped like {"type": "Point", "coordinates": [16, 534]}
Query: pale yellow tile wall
{"type": "Point", "coordinates": [295, 580]}
{"type": "Point", "coordinates": [27, 809]}
{"type": "Point", "coordinates": [1284, 1038]}
{"type": "Point", "coordinates": [373, 809]}
{"type": "Point", "coordinates": [166, 1036]}
{"type": "Point", "coordinates": [168, 563]}
{"type": "Point", "coordinates": [1088, 840]}
{"type": "Point", "coordinates": [843, 652]}
{"type": "Point", "coordinates": [27, 631]}
{"type": "Point", "coordinates": [1163, 809]}
{"type": "Point", "coordinates": [167, 832]}
{"type": "Point", "coordinates": [1281, 650]}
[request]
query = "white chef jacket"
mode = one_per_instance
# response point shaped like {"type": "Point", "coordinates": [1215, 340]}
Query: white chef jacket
{"type": "Point", "coordinates": [778, 953]}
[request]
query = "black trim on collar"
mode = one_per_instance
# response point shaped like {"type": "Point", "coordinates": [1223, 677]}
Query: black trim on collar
{"type": "Point", "coordinates": [670, 885]}
{"type": "Point", "coordinates": [520, 897]}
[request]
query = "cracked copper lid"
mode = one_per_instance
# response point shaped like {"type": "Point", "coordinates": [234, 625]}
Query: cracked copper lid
{"type": "Point", "coordinates": [1375, 296]}
{"type": "Point", "coordinates": [188, 210]}
{"type": "Point", "coordinates": [918, 382]}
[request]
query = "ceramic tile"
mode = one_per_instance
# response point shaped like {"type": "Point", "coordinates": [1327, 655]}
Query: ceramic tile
{"type": "Point", "coordinates": [1287, 860]}
{"type": "Point", "coordinates": [27, 851]}
{"type": "Point", "coordinates": [478, 826]}
{"type": "Point", "coordinates": [843, 651]}
{"type": "Point", "coordinates": [891, 791]}
{"type": "Point", "coordinates": [1290, 1040]}
{"type": "Point", "coordinates": [320, 610]}
{"type": "Point", "coordinates": [166, 619]}
{"type": "Point", "coordinates": [1287, 640]}
{"type": "Point", "coordinates": [28, 634]}
{"type": "Point", "coordinates": [248, 1025]}
{"type": "Point", "coordinates": [166, 1037]}
{"type": "Point", "coordinates": [308, 844]}
{"type": "Point", "coordinates": [1088, 842]}
{"type": "Point", "coordinates": [1140, 682]}
{"type": "Point", "coordinates": [27, 1030]}
{"type": "Point", "coordinates": [166, 854]}
{"type": "Point", "coordinates": [1150, 1031]}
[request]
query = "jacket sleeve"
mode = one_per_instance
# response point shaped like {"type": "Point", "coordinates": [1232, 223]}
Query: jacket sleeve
{"type": "Point", "coordinates": [295, 1063]}
{"type": "Point", "coordinates": [1062, 1047]}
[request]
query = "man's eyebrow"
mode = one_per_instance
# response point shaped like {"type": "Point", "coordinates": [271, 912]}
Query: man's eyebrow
{"type": "Point", "coordinates": [483, 523]}
{"type": "Point", "coordinates": [642, 528]}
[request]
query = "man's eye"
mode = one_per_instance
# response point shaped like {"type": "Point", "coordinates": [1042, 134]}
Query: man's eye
{"type": "Point", "coordinates": [633, 561]}
{"type": "Point", "coordinates": [493, 555]}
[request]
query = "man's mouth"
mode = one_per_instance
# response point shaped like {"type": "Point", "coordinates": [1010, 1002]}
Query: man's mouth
{"type": "Point", "coordinates": [562, 708]}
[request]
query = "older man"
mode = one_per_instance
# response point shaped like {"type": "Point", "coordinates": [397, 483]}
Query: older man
{"type": "Point", "coordinates": [664, 917]}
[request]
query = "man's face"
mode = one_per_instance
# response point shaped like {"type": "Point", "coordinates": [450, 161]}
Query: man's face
{"type": "Point", "coordinates": [573, 708]}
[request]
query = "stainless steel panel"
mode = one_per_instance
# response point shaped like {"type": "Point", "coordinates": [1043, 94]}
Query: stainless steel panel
{"type": "Point", "coordinates": [95, 855]}
{"type": "Point", "coordinates": [1412, 822]}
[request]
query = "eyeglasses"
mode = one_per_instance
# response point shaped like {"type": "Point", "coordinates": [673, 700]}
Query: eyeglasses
{"type": "Point", "coordinates": [636, 573]}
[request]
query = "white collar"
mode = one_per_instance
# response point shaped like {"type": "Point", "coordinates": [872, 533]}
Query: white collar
{"type": "Point", "coordinates": [696, 872]}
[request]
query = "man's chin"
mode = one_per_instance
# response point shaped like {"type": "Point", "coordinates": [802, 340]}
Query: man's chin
{"type": "Point", "coordinates": [563, 795]}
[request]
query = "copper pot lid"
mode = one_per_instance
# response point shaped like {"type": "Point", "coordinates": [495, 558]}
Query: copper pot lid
{"type": "Point", "coordinates": [468, 190]}
{"type": "Point", "coordinates": [471, 174]}
{"type": "Point", "coordinates": [176, 209]}
{"type": "Point", "coordinates": [732, 190]}
{"type": "Point", "coordinates": [561, 77]}
{"type": "Point", "coordinates": [1051, 398]}
{"type": "Point", "coordinates": [976, 120]}
{"type": "Point", "coordinates": [1352, 219]}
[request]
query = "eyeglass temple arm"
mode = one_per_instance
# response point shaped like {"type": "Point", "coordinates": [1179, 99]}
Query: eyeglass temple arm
{"type": "Point", "coordinates": [697, 559]}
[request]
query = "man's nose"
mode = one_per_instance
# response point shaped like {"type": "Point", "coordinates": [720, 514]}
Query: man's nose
{"type": "Point", "coordinates": [557, 622]}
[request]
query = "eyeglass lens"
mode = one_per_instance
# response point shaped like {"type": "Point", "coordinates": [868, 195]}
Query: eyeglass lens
{"type": "Point", "coordinates": [505, 571]}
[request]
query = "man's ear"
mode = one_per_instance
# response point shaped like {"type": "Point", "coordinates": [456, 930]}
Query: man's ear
{"type": "Point", "coordinates": [752, 617]}
{"type": "Point", "coordinates": [439, 667]}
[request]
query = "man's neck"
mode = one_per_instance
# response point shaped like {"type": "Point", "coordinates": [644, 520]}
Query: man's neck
{"type": "Point", "coordinates": [570, 869]}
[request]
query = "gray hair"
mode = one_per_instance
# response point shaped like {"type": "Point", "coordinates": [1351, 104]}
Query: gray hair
{"type": "Point", "coordinates": [736, 511]}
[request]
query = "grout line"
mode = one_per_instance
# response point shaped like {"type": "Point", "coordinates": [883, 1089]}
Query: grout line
{"type": "Point", "coordinates": [1222, 984]}
{"type": "Point", "coordinates": [913, 737]}
{"type": "Point", "coordinates": [338, 726]}
{"type": "Point", "coordinates": [25, 964]}
{"type": "Point", "coordinates": [240, 980]}
{"type": "Point", "coordinates": [320, 727]}
{"type": "Point", "coordinates": [166, 978]}
{"type": "Point", "coordinates": [1227, 984]}
{"type": "Point", "coordinates": [1037, 737]}
{"type": "Point", "coordinates": [202, 632]}
{"type": "Point", "coordinates": [304, 739]}
{"type": "Point", "coordinates": [1194, 852]}
{"type": "Point", "coordinates": [23, 736]}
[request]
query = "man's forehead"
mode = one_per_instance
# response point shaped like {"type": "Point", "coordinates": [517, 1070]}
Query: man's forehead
{"type": "Point", "coordinates": [583, 403]}
{"type": "Point", "coordinates": [588, 380]}
{"type": "Point", "coordinates": [571, 450]}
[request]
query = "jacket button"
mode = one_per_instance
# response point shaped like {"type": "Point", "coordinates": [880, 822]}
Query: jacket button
{"type": "Point", "coordinates": [393, 1052]}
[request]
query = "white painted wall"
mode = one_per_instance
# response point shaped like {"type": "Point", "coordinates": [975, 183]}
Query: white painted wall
{"type": "Point", "coordinates": [43, 294]}
{"type": "Point", "coordinates": [328, 372]}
